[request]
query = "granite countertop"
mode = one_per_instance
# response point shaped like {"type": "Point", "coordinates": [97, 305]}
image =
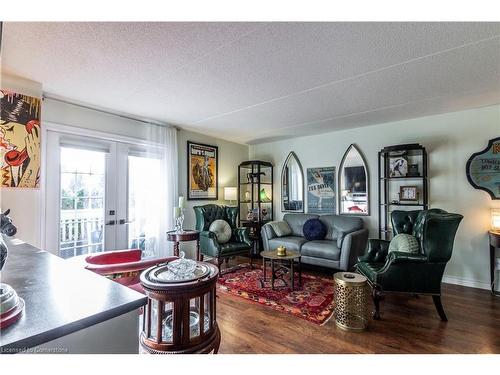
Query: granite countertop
{"type": "Point", "coordinates": [60, 297]}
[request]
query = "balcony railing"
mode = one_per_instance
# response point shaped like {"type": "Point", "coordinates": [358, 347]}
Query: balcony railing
{"type": "Point", "coordinates": [80, 235]}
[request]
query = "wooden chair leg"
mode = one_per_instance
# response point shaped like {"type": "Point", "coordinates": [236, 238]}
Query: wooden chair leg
{"type": "Point", "coordinates": [439, 308]}
{"type": "Point", "coordinates": [376, 302]}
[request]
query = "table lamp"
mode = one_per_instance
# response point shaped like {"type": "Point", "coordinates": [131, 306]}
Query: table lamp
{"type": "Point", "coordinates": [495, 219]}
{"type": "Point", "coordinates": [230, 194]}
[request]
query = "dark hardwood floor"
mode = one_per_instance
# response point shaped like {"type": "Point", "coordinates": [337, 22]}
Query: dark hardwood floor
{"type": "Point", "coordinates": [408, 325]}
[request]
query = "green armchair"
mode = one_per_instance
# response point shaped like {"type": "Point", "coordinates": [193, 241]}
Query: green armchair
{"type": "Point", "coordinates": [239, 244]}
{"type": "Point", "coordinates": [415, 274]}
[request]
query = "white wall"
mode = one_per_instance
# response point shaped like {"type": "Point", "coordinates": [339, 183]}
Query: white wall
{"type": "Point", "coordinates": [230, 156]}
{"type": "Point", "coordinates": [450, 139]}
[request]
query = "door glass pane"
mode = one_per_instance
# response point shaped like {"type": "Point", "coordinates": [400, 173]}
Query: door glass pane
{"type": "Point", "coordinates": [82, 202]}
{"type": "Point", "coordinates": [144, 204]}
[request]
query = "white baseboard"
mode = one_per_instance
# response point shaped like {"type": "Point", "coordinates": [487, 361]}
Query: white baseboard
{"type": "Point", "coordinates": [466, 282]}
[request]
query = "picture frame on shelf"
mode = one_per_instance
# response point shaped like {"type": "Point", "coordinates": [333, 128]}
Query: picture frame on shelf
{"type": "Point", "coordinates": [408, 193]}
{"type": "Point", "coordinates": [398, 166]}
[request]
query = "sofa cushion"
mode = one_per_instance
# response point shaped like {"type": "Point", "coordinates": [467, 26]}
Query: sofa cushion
{"type": "Point", "coordinates": [281, 228]}
{"type": "Point", "coordinates": [290, 242]}
{"type": "Point", "coordinates": [321, 249]}
{"type": "Point", "coordinates": [233, 247]}
{"type": "Point", "coordinates": [314, 230]}
{"type": "Point", "coordinates": [296, 222]}
{"type": "Point", "coordinates": [338, 226]}
{"type": "Point", "coordinates": [222, 230]}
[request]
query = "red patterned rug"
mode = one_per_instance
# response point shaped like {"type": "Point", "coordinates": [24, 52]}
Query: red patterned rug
{"type": "Point", "coordinates": [313, 301]}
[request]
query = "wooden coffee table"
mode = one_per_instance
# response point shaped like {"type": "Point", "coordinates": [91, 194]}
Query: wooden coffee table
{"type": "Point", "coordinates": [285, 263]}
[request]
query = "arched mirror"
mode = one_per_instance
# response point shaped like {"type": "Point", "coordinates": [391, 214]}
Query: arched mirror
{"type": "Point", "coordinates": [292, 185]}
{"type": "Point", "coordinates": [353, 184]}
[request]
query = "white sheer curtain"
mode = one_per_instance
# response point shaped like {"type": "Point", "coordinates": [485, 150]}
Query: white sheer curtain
{"type": "Point", "coordinates": [153, 180]}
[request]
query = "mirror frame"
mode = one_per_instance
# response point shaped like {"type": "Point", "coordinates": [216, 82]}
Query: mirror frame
{"type": "Point", "coordinates": [341, 168]}
{"type": "Point", "coordinates": [294, 155]}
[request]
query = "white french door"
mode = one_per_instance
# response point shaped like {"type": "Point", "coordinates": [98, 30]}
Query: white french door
{"type": "Point", "coordinates": [101, 195]}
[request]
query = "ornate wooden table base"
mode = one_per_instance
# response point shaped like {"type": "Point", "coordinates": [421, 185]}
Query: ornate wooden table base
{"type": "Point", "coordinates": [285, 262]}
{"type": "Point", "coordinates": [211, 345]}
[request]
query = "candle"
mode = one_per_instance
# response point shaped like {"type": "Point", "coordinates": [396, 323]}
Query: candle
{"type": "Point", "coordinates": [182, 202]}
{"type": "Point", "coordinates": [177, 212]}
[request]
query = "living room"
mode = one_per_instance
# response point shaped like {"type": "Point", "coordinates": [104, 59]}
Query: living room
{"type": "Point", "coordinates": [249, 187]}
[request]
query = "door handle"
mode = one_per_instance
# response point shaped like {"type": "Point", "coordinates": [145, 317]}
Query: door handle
{"type": "Point", "coordinates": [111, 222]}
{"type": "Point", "coordinates": [123, 221]}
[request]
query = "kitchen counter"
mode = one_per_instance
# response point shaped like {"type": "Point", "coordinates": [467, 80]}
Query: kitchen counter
{"type": "Point", "coordinates": [61, 298]}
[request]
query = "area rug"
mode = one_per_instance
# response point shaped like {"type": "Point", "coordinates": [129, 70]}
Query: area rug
{"type": "Point", "coordinates": [312, 301]}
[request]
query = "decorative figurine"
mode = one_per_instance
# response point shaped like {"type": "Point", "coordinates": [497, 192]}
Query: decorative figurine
{"type": "Point", "coordinates": [11, 306]}
{"type": "Point", "coordinates": [7, 228]}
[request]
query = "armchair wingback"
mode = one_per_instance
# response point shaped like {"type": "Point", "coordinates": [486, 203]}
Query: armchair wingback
{"type": "Point", "coordinates": [239, 243]}
{"type": "Point", "coordinates": [420, 273]}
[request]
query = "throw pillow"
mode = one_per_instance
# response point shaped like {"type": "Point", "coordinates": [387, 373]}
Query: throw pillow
{"type": "Point", "coordinates": [281, 228]}
{"type": "Point", "coordinates": [314, 230]}
{"type": "Point", "coordinates": [222, 230]}
{"type": "Point", "coordinates": [405, 243]}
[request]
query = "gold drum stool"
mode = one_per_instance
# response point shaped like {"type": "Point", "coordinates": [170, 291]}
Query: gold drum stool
{"type": "Point", "coordinates": [351, 296]}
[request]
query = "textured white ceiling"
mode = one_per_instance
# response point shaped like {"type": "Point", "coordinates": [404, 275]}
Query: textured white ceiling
{"type": "Point", "coordinates": [255, 82]}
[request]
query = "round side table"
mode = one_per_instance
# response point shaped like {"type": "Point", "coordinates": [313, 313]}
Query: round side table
{"type": "Point", "coordinates": [186, 235]}
{"type": "Point", "coordinates": [180, 316]}
{"type": "Point", "coordinates": [351, 296]}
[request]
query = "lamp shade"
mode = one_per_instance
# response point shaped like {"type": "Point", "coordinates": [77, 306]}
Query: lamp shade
{"type": "Point", "coordinates": [230, 193]}
{"type": "Point", "coordinates": [495, 219]}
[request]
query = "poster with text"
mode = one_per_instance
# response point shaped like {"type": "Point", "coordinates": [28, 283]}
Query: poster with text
{"type": "Point", "coordinates": [321, 190]}
{"type": "Point", "coordinates": [202, 171]}
{"type": "Point", "coordinates": [19, 140]}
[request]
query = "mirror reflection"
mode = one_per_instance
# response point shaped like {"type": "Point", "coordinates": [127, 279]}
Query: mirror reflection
{"type": "Point", "coordinates": [292, 185]}
{"type": "Point", "coordinates": [353, 183]}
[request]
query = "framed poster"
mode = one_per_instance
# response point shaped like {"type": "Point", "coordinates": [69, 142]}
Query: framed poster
{"type": "Point", "coordinates": [19, 140]}
{"type": "Point", "coordinates": [202, 173]}
{"type": "Point", "coordinates": [483, 169]}
{"type": "Point", "coordinates": [321, 190]}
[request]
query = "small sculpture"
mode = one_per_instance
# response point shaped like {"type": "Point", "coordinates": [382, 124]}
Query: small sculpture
{"type": "Point", "coordinates": [11, 306]}
{"type": "Point", "coordinates": [7, 228]}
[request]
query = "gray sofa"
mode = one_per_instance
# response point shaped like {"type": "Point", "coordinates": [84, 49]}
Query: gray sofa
{"type": "Point", "coordinates": [345, 240]}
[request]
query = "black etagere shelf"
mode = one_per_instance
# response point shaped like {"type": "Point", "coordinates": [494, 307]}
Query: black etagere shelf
{"type": "Point", "coordinates": [255, 197]}
{"type": "Point", "coordinates": [403, 182]}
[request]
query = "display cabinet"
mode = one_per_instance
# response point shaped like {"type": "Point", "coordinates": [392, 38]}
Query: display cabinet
{"type": "Point", "coordinates": [180, 316]}
{"type": "Point", "coordinates": [403, 182]}
{"type": "Point", "coordinates": [255, 197]}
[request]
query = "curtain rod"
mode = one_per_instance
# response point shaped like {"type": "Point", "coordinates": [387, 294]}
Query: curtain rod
{"type": "Point", "coordinates": [108, 112]}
